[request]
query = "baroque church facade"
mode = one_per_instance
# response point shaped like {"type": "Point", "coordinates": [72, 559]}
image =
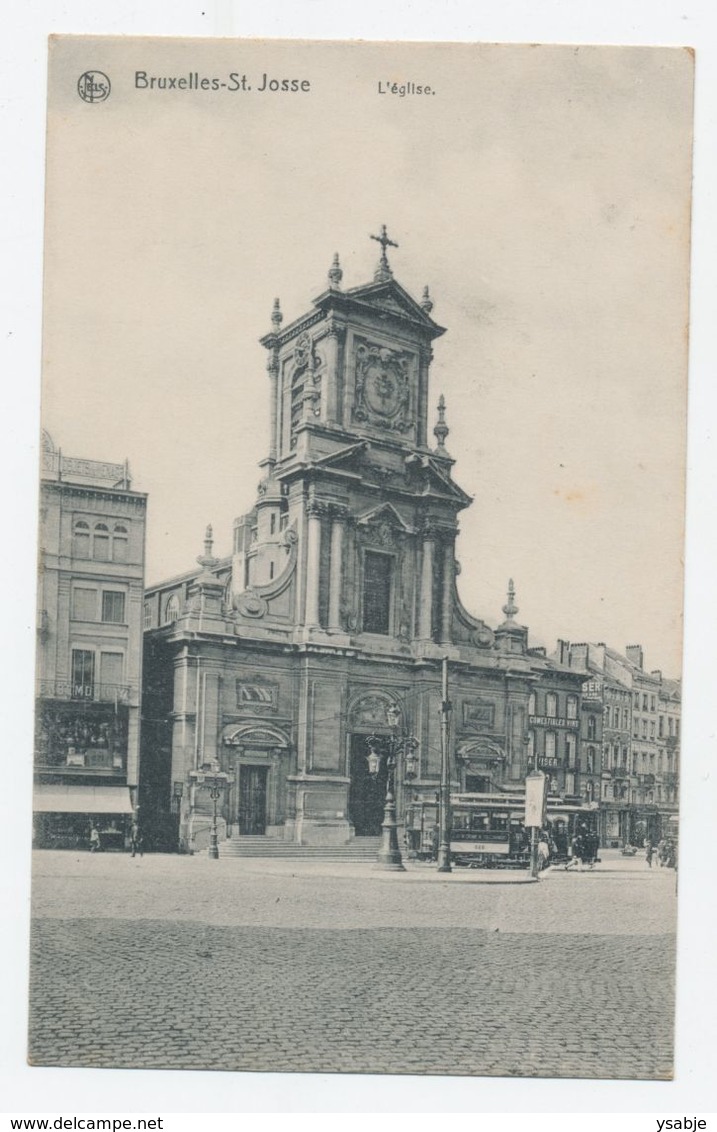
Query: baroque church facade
{"type": "Point", "coordinates": [274, 666]}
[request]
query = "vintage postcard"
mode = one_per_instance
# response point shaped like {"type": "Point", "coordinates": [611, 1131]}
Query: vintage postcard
{"type": "Point", "coordinates": [360, 595]}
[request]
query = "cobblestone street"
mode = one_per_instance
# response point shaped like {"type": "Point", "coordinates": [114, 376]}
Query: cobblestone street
{"type": "Point", "coordinates": [171, 962]}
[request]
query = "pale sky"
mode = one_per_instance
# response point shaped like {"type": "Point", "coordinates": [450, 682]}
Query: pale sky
{"type": "Point", "coordinates": [542, 193]}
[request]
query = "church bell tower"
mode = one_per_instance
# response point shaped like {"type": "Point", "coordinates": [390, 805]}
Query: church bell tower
{"type": "Point", "coordinates": [350, 477]}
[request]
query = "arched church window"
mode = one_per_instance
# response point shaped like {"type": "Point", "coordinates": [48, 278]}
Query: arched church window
{"type": "Point", "coordinates": [81, 539]}
{"type": "Point", "coordinates": [171, 609]}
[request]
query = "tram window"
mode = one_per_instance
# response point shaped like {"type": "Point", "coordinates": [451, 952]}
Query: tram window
{"type": "Point", "coordinates": [460, 821]}
{"type": "Point", "coordinates": [500, 822]}
{"type": "Point", "coordinates": [479, 822]}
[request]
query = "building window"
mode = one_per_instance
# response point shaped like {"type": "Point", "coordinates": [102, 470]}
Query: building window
{"type": "Point", "coordinates": [625, 720]}
{"type": "Point", "coordinates": [616, 718]}
{"type": "Point", "coordinates": [550, 746]}
{"type": "Point", "coordinates": [572, 709]}
{"type": "Point", "coordinates": [113, 606]}
{"type": "Point", "coordinates": [272, 523]}
{"type": "Point", "coordinates": [589, 791]}
{"type": "Point", "coordinates": [570, 783]}
{"type": "Point", "coordinates": [120, 543]}
{"type": "Point", "coordinates": [644, 729]}
{"type": "Point", "coordinates": [84, 604]}
{"type": "Point", "coordinates": [551, 704]}
{"type": "Point", "coordinates": [570, 750]}
{"type": "Point", "coordinates": [377, 573]}
{"type": "Point", "coordinates": [652, 729]}
{"type": "Point", "coordinates": [653, 705]}
{"type": "Point", "coordinates": [101, 543]}
{"type": "Point", "coordinates": [147, 615]}
{"type": "Point", "coordinates": [531, 704]}
{"type": "Point", "coordinates": [81, 539]}
{"type": "Point", "coordinates": [590, 761]}
{"type": "Point", "coordinates": [637, 700]}
{"type": "Point", "coordinates": [171, 609]}
{"type": "Point", "coordinates": [592, 727]}
{"type": "Point", "coordinates": [83, 674]}
{"type": "Point", "coordinates": [531, 746]}
{"type": "Point", "coordinates": [283, 521]}
{"type": "Point", "coordinates": [644, 702]}
{"type": "Point", "coordinates": [661, 727]}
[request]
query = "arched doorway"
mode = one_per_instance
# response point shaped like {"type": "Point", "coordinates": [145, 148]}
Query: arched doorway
{"type": "Point", "coordinates": [367, 794]}
{"type": "Point", "coordinates": [257, 757]}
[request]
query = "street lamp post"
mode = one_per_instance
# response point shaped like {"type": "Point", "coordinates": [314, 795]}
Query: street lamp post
{"type": "Point", "coordinates": [216, 781]}
{"type": "Point", "coordinates": [389, 854]}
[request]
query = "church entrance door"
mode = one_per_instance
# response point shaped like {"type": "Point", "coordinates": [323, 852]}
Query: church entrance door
{"type": "Point", "coordinates": [252, 800]}
{"type": "Point", "coordinates": [367, 795]}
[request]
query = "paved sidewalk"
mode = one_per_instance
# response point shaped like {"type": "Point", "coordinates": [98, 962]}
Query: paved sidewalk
{"type": "Point", "coordinates": [170, 962]}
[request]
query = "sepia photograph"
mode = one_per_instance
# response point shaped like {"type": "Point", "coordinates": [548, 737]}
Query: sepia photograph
{"type": "Point", "coordinates": [361, 541]}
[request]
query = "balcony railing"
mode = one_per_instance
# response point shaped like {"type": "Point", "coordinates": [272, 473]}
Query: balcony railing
{"type": "Point", "coordinates": [87, 693]}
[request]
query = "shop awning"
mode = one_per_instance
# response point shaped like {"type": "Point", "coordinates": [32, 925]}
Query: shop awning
{"type": "Point", "coordinates": [81, 800]}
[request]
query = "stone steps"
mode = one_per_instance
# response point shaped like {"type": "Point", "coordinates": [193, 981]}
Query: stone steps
{"type": "Point", "coordinates": [361, 849]}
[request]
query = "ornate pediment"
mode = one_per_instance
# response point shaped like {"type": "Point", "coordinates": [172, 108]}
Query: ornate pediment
{"type": "Point", "coordinates": [480, 751]}
{"type": "Point", "coordinates": [383, 525]}
{"type": "Point", "coordinates": [390, 297]}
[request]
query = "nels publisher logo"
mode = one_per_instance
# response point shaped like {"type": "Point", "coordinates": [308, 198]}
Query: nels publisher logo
{"type": "Point", "coordinates": [93, 86]}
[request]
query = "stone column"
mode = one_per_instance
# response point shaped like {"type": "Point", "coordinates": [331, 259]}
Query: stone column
{"type": "Point", "coordinates": [447, 594]}
{"type": "Point", "coordinates": [313, 559]}
{"type": "Point", "coordinates": [336, 568]}
{"type": "Point", "coordinates": [425, 612]}
{"type": "Point", "coordinates": [331, 406]}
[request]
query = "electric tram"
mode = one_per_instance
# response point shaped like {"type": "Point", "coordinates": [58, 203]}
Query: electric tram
{"type": "Point", "coordinates": [488, 831]}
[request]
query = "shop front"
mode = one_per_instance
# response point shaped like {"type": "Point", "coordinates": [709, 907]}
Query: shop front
{"type": "Point", "coordinates": [65, 815]}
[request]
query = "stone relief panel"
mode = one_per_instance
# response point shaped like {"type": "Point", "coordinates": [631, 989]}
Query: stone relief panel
{"type": "Point", "coordinates": [478, 715]}
{"type": "Point", "coordinates": [257, 695]}
{"type": "Point", "coordinates": [382, 387]}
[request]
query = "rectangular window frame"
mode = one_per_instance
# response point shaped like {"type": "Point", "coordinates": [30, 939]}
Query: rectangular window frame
{"type": "Point", "coordinates": [390, 561]}
{"type": "Point", "coordinates": [85, 590]}
{"type": "Point", "coordinates": [107, 596]}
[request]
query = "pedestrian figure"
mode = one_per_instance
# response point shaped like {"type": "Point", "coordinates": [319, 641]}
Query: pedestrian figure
{"type": "Point", "coordinates": [578, 852]}
{"type": "Point", "coordinates": [648, 853]}
{"type": "Point", "coordinates": [543, 850]}
{"type": "Point", "coordinates": [136, 843]}
{"type": "Point", "coordinates": [95, 843]}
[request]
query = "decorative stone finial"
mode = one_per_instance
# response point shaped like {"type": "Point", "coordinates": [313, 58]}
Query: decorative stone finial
{"type": "Point", "coordinates": [383, 272]}
{"type": "Point", "coordinates": [510, 608]}
{"type": "Point", "coordinates": [335, 273]}
{"type": "Point", "coordinates": [207, 560]}
{"type": "Point", "coordinates": [276, 317]}
{"type": "Point", "coordinates": [426, 301]}
{"type": "Point", "coordinates": [441, 429]}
